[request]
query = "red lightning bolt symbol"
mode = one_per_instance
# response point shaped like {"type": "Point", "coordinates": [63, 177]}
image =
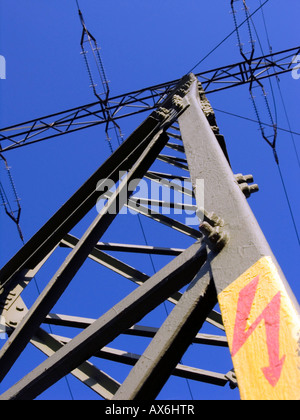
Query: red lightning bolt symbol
{"type": "Point", "coordinates": [271, 316]}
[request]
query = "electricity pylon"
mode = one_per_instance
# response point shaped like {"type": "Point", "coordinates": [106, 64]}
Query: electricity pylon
{"type": "Point", "coordinates": [229, 262]}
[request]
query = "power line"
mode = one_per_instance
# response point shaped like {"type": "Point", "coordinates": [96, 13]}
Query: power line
{"type": "Point", "coordinates": [13, 213]}
{"type": "Point", "coordinates": [255, 121]}
{"type": "Point", "coordinates": [271, 143]}
{"type": "Point", "coordinates": [279, 89]}
{"type": "Point", "coordinates": [90, 40]}
{"type": "Point", "coordinates": [289, 124]}
{"type": "Point", "coordinates": [270, 81]}
{"type": "Point", "coordinates": [290, 131]}
{"type": "Point", "coordinates": [228, 36]}
{"type": "Point", "coordinates": [289, 203]}
{"type": "Point", "coordinates": [254, 81]}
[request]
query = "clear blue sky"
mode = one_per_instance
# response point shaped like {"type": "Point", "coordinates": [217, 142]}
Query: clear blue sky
{"type": "Point", "coordinates": [143, 43]}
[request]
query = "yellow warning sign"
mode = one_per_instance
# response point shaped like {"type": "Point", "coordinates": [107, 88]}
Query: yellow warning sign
{"type": "Point", "coordinates": [263, 331]}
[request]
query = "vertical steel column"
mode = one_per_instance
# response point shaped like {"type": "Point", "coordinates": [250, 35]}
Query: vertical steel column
{"type": "Point", "coordinates": [166, 349]}
{"type": "Point", "coordinates": [151, 146]}
{"type": "Point", "coordinates": [260, 313]}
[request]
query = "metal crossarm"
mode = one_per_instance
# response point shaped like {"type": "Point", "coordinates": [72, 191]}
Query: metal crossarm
{"type": "Point", "coordinates": [139, 101]}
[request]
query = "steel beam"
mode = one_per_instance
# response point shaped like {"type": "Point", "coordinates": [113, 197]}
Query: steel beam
{"type": "Point", "coordinates": [174, 161]}
{"type": "Point", "coordinates": [87, 373]}
{"type": "Point", "coordinates": [136, 330]}
{"type": "Point", "coordinates": [108, 261]}
{"type": "Point", "coordinates": [116, 265]}
{"type": "Point", "coordinates": [182, 371]}
{"type": "Point", "coordinates": [146, 99]}
{"type": "Point", "coordinates": [78, 205]}
{"type": "Point", "coordinates": [247, 276]}
{"type": "Point", "coordinates": [223, 195]}
{"type": "Point", "coordinates": [161, 218]}
{"type": "Point", "coordinates": [149, 147]}
{"type": "Point", "coordinates": [177, 147]}
{"type": "Point", "coordinates": [159, 203]}
{"type": "Point", "coordinates": [207, 339]}
{"type": "Point", "coordinates": [162, 175]}
{"type": "Point", "coordinates": [165, 351]}
{"type": "Point", "coordinates": [98, 381]}
{"type": "Point", "coordinates": [138, 249]}
{"type": "Point", "coordinates": [123, 315]}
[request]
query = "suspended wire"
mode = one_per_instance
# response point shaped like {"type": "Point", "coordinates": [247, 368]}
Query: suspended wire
{"type": "Point", "coordinates": [102, 97]}
{"type": "Point", "coordinates": [227, 37]}
{"type": "Point", "coordinates": [87, 37]}
{"type": "Point", "coordinates": [275, 152]}
{"type": "Point", "coordinates": [13, 214]}
{"type": "Point", "coordinates": [248, 18]}
{"type": "Point", "coordinates": [292, 137]}
{"type": "Point", "coordinates": [255, 121]}
{"type": "Point", "coordinates": [254, 82]}
{"type": "Point", "coordinates": [292, 133]}
{"type": "Point", "coordinates": [240, 45]}
{"type": "Point", "coordinates": [274, 124]}
{"type": "Point", "coordinates": [289, 203]}
{"type": "Point", "coordinates": [256, 110]}
{"type": "Point", "coordinates": [278, 84]}
{"type": "Point", "coordinates": [279, 89]}
{"type": "Point", "coordinates": [270, 80]}
{"type": "Point", "coordinates": [266, 30]}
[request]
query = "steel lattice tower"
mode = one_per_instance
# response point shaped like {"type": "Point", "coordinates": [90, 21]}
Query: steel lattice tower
{"type": "Point", "coordinates": [229, 261]}
{"type": "Point", "coordinates": [227, 277]}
